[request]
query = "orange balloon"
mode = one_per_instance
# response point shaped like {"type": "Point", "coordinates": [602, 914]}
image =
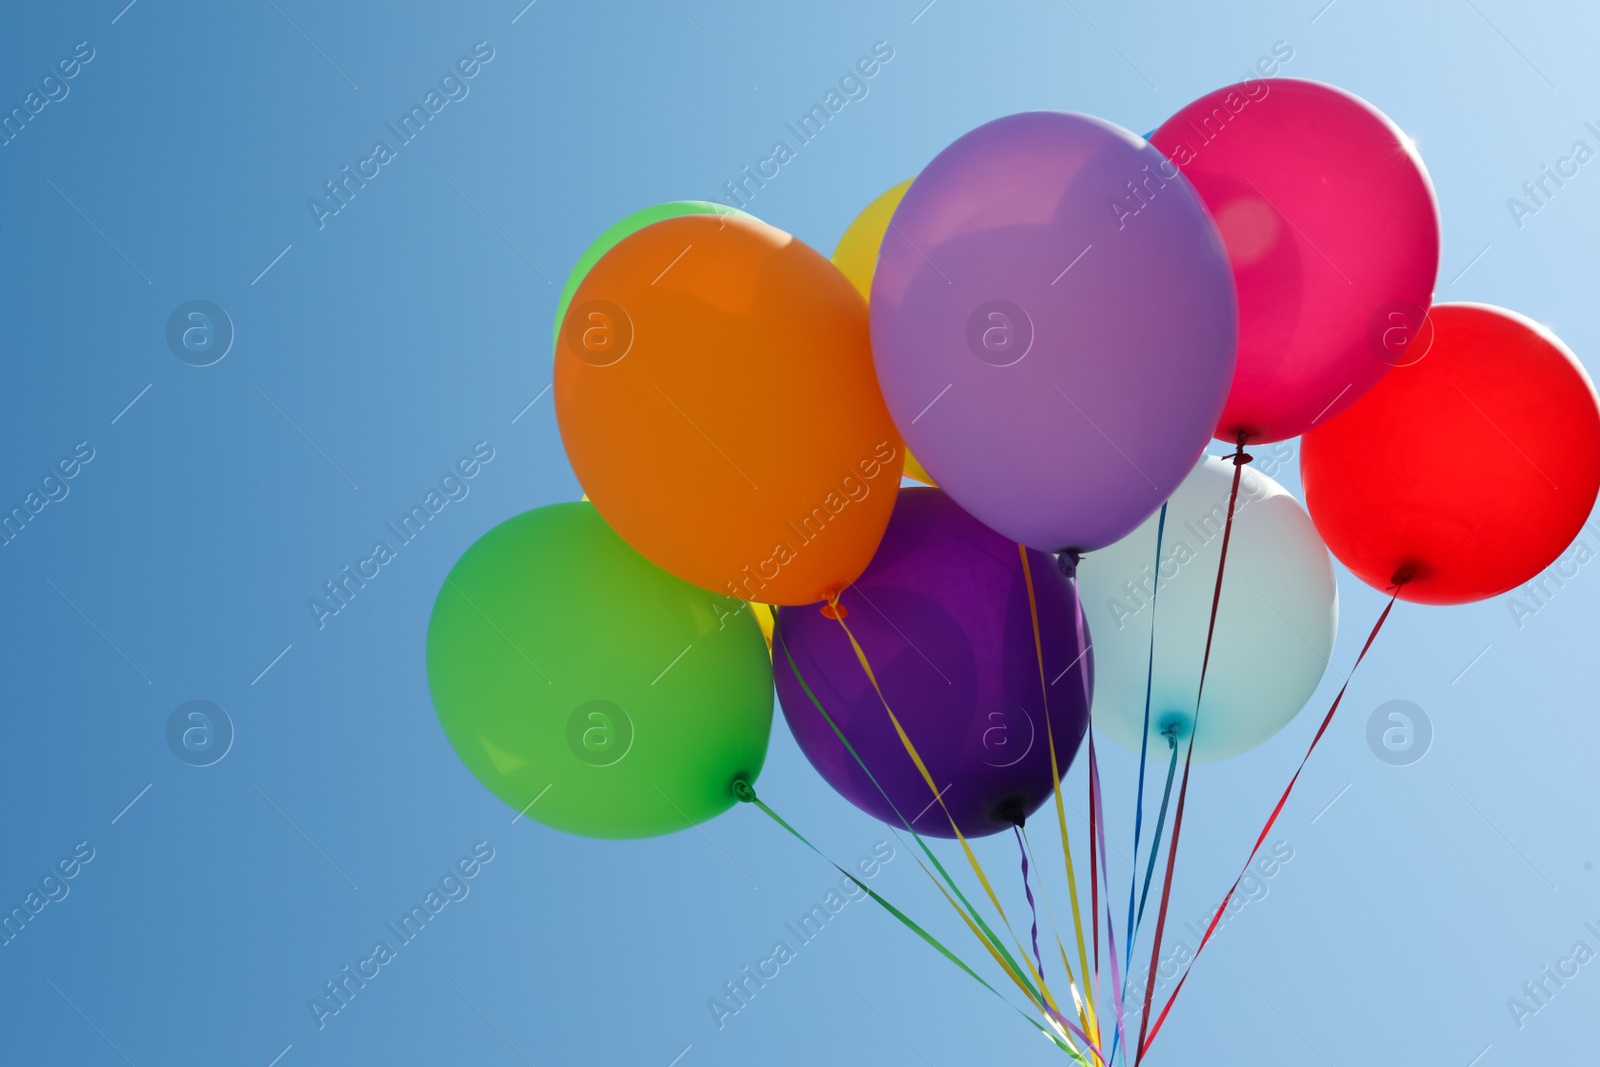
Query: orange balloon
{"type": "Point", "coordinates": [716, 396]}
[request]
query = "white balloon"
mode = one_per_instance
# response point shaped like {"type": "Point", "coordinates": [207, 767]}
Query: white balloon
{"type": "Point", "coordinates": [1276, 618]}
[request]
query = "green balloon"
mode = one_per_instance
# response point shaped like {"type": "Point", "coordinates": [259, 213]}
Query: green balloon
{"type": "Point", "coordinates": [573, 675]}
{"type": "Point", "coordinates": [617, 231]}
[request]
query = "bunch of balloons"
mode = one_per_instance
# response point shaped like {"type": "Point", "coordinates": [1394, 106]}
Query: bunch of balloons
{"type": "Point", "coordinates": [1056, 317]}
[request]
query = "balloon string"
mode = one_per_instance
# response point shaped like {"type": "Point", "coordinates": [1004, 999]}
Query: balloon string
{"type": "Point", "coordinates": [1022, 849]}
{"type": "Point", "coordinates": [973, 921]}
{"type": "Point", "coordinates": [1144, 749]}
{"type": "Point", "coordinates": [1044, 896]}
{"type": "Point", "coordinates": [1096, 861]}
{"type": "Point", "coordinates": [973, 918]}
{"type": "Point", "coordinates": [1050, 1012]}
{"type": "Point", "coordinates": [938, 795]}
{"type": "Point", "coordinates": [745, 792]}
{"type": "Point", "coordinates": [1144, 738]}
{"type": "Point", "coordinates": [1098, 808]}
{"type": "Point", "coordinates": [991, 945]}
{"type": "Point", "coordinates": [1273, 818]}
{"type": "Point", "coordinates": [1086, 1012]}
{"type": "Point", "coordinates": [1240, 458]}
{"type": "Point", "coordinates": [1150, 869]}
{"type": "Point", "coordinates": [1034, 929]}
{"type": "Point", "coordinates": [1161, 819]}
{"type": "Point", "coordinates": [1068, 564]}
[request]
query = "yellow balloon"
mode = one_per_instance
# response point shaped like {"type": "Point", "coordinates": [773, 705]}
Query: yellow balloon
{"type": "Point", "coordinates": [857, 252]}
{"type": "Point", "coordinates": [914, 470]}
{"type": "Point", "coordinates": [857, 256]}
{"type": "Point", "coordinates": [763, 616]}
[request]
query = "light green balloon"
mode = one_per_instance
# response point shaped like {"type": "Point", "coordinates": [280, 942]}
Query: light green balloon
{"type": "Point", "coordinates": [1275, 629]}
{"type": "Point", "coordinates": [572, 674]}
{"type": "Point", "coordinates": [617, 231]}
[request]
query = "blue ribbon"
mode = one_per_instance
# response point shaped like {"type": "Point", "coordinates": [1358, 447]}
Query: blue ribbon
{"type": "Point", "coordinates": [1144, 745]}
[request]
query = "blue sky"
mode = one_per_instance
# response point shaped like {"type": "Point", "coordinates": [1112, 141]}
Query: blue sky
{"type": "Point", "coordinates": [375, 347]}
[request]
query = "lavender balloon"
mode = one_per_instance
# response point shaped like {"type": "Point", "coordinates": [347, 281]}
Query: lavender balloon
{"type": "Point", "coordinates": [942, 614]}
{"type": "Point", "coordinates": [1054, 326]}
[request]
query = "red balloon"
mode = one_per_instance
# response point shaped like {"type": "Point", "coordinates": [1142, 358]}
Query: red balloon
{"type": "Point", "coordinates": [1333, 234]}
{"type": "Point", "coordinates": [1465, 473]}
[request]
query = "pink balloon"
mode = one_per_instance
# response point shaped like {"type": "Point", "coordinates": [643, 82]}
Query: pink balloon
{"type": "Point", "coordinates": [1333, 232]}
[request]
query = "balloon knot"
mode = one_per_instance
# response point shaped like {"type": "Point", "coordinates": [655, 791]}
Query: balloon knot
{"type": "Point", "coordinates": [1240, 456]}
{"type": "Point", "coordinates": [1067, 559]}
{"type": "Point", "coordinates": [1403, 575]}
{"type": "Point", "coordinates": [833, 609]}
{"type": "Point", "coordinates": [1011, 811]}
{"type": "Point", "coordinates": [743, 791]}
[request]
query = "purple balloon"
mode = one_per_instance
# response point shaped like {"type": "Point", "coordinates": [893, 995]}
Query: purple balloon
{"type": "Point", "coordinates": [942, 614]}
{"type": "Point", "coordinates": [1054, 327]}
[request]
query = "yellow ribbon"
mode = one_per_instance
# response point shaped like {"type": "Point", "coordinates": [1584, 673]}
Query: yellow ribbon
{"type": "Point", "coordinates": [922, 768]}
{"type": "Point", "coordinates": [1091, 1023]}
